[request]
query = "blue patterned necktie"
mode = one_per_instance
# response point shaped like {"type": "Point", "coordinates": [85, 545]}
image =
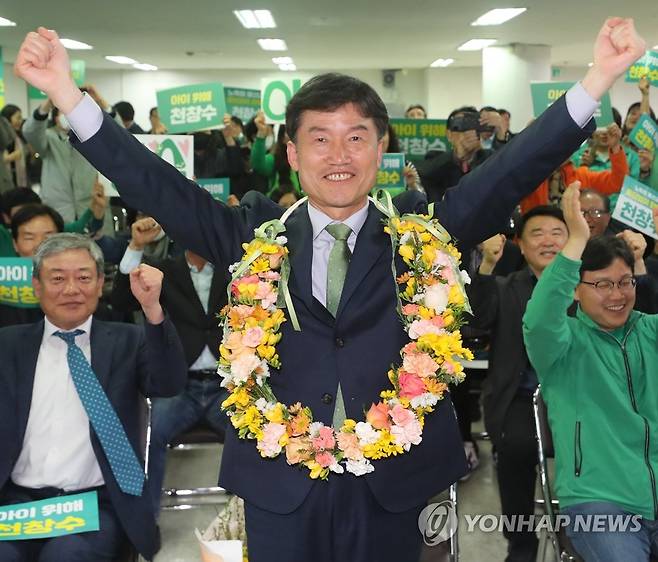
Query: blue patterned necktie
{"type": "Point", "coordinates": [120, 454]}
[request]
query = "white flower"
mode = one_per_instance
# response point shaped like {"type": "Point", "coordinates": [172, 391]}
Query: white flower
{"type": "Point", "coordinates": [360, 467]}
{"type": "Point", "coordinates": [466, 278]}
{"type": "Point", "coordinates": [436, 297]}
{"type": "Point", "coordinates": [233, 267]}
{"type": "Point", "coordinates": [366, 433]}
{"type": "Point", "coordinates": [410, 434]}
{"type": "Point", "coordinates": [425, 400]}
{"type": "Point", "coordinates": [243, 366]}
{"type": "Point", "coordinates": [338, 469]}
{"type": "Point", "coordinates": [281, 240]}
{"type": "Point", "coordinates": [227, 377]}
{"type": "Point", "coordinates": [404, 239]}
{"type": "Point", "coordinates": [263, 405]}
{"type": "Point", "coordinates": [314, 428]}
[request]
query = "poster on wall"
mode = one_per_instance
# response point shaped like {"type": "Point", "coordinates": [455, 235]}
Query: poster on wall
{"type": "Point", "coordinates": [276, 93]}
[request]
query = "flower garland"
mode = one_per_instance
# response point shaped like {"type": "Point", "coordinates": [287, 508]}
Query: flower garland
{"type": "Point", "coordinates": [431, 300]}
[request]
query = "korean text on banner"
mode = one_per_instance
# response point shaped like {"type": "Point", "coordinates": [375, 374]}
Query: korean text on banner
{"type": "Point", "coordinates": [647, 65]}
{"type": "Point", "coordinates": [645, 134]}
{"type": "Point", "coordinates": [544, 94]}
{"type": "Point", "coordinates": [417, 137]}
{"type": "Point", "coordinates": [16, 283]}
{"type": "Point", "coordinates": [635, 206]}
{"type": "Point", "coordinates": [192, 108]}
{"type": "Point", "coordinates": [242, 103]}
{"type": "Point", "coordinates": [275, 97]}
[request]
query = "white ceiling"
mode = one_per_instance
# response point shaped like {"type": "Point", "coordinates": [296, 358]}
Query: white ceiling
{"type": "Point", "coordinates": [335, 34]}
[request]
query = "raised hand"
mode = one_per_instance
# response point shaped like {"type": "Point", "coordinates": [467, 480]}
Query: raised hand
{"type": "Point", "coordinates": [614, 137]}
{"type": "Point", "coordinates": [638, 244]}
{"type": "Point", "coordinates": [146, 285]}
{"type": "Point", "coordinates": [617, 47]}
{"type": "Point", "coordinates": [43, 62]}
{"type": "Point", "coordinates": [98, 200]}
{"type": "Point", "coordinates": [143, 232]}
{"type": "Point", "coordinates": [576, 223]}
{"type": "Point", "coordinates": [492, 250]}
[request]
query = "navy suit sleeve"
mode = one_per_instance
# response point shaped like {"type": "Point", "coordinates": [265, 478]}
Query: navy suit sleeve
{"type": "Point", "coordinates": [483, 200]}
{"type": "Point", "coordinates": [162, 364]}
{"type": "Point", "coordinates": [187, 212]}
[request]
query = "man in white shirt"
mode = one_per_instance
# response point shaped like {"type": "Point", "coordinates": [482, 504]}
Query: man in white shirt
{"type": "Point", "coordinates": [71, 409]}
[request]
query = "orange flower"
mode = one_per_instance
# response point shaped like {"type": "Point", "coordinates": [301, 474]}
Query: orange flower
{"type": "Point", "coordinates": [377, 416]}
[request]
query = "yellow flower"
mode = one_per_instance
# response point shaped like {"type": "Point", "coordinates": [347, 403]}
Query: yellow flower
{"type": "Point", "coordinates": [384, 447]}
{"type": "Point", "coordinates": [429, 253]}
{"type": "Point", "coordinates": [275, 415]}
{"type": "Point", "coordinates": [316, 469]}
{"type": "Point", "coordinates": [260, 265]}
{"type": "Point", "coordinates": [455, 296]}
{"type": "Point", "coordinates": [266, 351]}
{"type": "Point", "coordinates": [426, 313]}
{"type": "Point", "coordinates": [348, 425]}
{"type": "Point", "coordinates": [448, 317]}
{"type": "Point", "coordinates": [251, 419]}
{"type": "Point", "coordinates": [410, 289]}
{"type": "Point", "coordinates": [407, 252]}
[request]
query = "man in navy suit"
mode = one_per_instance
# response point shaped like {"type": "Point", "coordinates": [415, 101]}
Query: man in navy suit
{"type": "Point", "coordinates": [339, 359]}
{"type": "Point", "coordinates": [51, 444]}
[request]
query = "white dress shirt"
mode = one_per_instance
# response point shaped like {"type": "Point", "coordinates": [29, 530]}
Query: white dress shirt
{"type": "Point", "coordinates": [57, 447]}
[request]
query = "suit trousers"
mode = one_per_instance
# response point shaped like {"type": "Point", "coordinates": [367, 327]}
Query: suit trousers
{"type": "Point", "coordinates": [339, 521]}
{"type": "Point", "coordinates": [104, 545]}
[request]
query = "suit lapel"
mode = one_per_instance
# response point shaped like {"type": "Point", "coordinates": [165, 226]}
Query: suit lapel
{"type": "Point", "coordinates": [371, 242]}
{"type": "Point", "coordinates": [183, 279]}
{"type": "Point", "coordinates": [25, 376]}
{"type": "Point", "coordinates": [524, 287]}
{"type": "Point", "coordinates": [102, 347]}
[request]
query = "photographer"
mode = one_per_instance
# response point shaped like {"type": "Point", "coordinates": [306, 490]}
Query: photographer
{"type": "Point", "coordinates": [444, 170]}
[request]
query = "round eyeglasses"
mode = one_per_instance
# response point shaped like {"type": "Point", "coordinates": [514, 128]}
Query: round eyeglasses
{"type": "Point", "coordinates": [606, 286]}
{"type": "Point", "coordinates": [594, 213]}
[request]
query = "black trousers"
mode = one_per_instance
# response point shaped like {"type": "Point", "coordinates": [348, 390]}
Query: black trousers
{"type": "Point", "coordinates": [517, 468]}
{"type": "Point", "coordinates": [104, 545]}
{"type": "Point", "coordinates": [339, 521]}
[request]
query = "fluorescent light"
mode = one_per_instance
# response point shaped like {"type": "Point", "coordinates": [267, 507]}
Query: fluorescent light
{"type": "Point", "coordinates": [121, 60]}
{"type": "Point", "coordinates": [75, 45]}
{"type": "Point", "coordinates": [590, 64]}
{"type": "Point", "coordinates": [255, 19]}
{"type": "Point", "coordinates": [282, 60]}
{"type": "Point", "coordinates": [476, 44]}
{"type": "Point", "coordinates": [655, 47]}
{"type": "Point", "coordinates": [287, 67]}
{"type": "Point", "coordinates": [442, 63]}
{"type": "Point", "coordinates": [7, 23]}
{"type": "Point", "coordinates": [273, 44]}
{"type": "Point", "coordinates": [498, 16]}
{"type": "Point", "coordinates": [144, 66]}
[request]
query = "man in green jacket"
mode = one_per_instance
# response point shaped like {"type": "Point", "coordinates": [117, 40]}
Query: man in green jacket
{"type": "Point", "coordinates": [597, 375]}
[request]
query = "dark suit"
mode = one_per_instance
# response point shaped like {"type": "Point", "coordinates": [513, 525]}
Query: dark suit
{"type": "Point", "coordinates": [130, 362]}
{"type": "Point", "coordinates": [358, 346]}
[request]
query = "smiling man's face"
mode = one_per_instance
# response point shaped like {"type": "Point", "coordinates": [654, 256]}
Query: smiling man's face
{"type": "Point", "coordinates": [337, 154]}
{"type": "Point", "coordinates": [543, 237]}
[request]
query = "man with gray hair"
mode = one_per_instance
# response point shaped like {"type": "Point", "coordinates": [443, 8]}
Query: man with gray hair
{"type": "Point", "coordinates": [70, 409]}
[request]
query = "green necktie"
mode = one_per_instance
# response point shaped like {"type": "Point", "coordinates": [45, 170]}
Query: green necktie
{"type": "Point", "coordinates": [339, 260]}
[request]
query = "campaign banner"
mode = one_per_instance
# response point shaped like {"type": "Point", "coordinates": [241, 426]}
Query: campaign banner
{"type": "Point", "coordinates": [16, 283]}
{"type": "Point", "coordinates": [276, 93]}
{"type": "Point", "coordinates": [545, 94]}
{"type": "Point", "coordinates": [417, 137]}
{"type": "Point", "coordinates": [52, 517]}
{"type": "Point", "coordinates": [78, 72]}
{"type": "Point", "coordinates": [645, 133]}
{"type": "Point", "coordinates": [177, 150]}
{"type": "Point", "coordinates": [635, 206]}
{"type": "Point", "coordinates": [646, 65]}
{"type": "Point", "coordinates": [192, 108]}
{"type": "Point", "coordinates": [219, 188]}
{"type": "Point", "coordinates": [242, 102]}
{"type": "Point", "coordinates": [390, 175]}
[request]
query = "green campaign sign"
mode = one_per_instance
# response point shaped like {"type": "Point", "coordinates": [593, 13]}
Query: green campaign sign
{"type": "Point", "coordinates": [647, 65]}
{"type": "Point", "coordinates": [419, 136]}
{"type": "Point", "coordinates": [635, 205]}
{"type": "Point", "coordinates": [242, 102]}
{"type": "Point", "coordinates": [53, 517]}
{"type": "Point", "coordinates": [78, 72]}
{"type": "Point", "coordinates": [192, 108]}
{"type": "Point", "coordinates": [544, 94]}
{"type": "Point", "coordinates": [276, 95]}
{"type": "Point", "coordinates": [390, 175]}
{"type": "Point", "coordinates": [645, 133]}
{"type": "Point", "coordinates": [16, 283]}
{"type": "Point", "coordinates": [2, 81]}
{"type": "Point", "coordinates": [219, 188]}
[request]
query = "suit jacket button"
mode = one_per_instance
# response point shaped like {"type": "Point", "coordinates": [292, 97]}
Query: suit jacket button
{"type": "Point", "coordinates": [340, 342]}
{"type": "Point", "coordinates": [327, 398]}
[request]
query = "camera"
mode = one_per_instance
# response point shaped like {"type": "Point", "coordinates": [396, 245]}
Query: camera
{"type": "Point", "coordinates": [468, 121]}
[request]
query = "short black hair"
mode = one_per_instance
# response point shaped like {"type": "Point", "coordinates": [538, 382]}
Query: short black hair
{"type": "Point", "coordinates": [125, 110]}
{"type": "Point", "coordinates": [415, 106]}
{"type": "Point", "coordinates": [152, 111]}
{"type": "Point", "coordinates": [616, 117]}
{"type": "Point", "coordinates": [601, 251]}
{"type": "Point", "coordinates": [488, 108]}
{"type": "Point", "coordinates": [539, 211]}
{"type": "Point", "coordinates": [328, 92]}
{"type": "Point", "coordinates": [9, 110]}
{"type": "Point", "coordinates": [393, 141]}
{"type": "Point", "coordinates": [18, 196]}
{"type": "Point", "coordinates": [460, 110]}
{"type": "Point", "coordinates": [29, 212]}
{"type": "Point", "coordinates": [603, 197]}
{"type": "Point", "coordinates": [503, 111]}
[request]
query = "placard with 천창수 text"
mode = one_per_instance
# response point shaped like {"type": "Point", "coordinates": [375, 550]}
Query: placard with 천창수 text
{"type": "Point", "coordinates": [390, 175]}
{"type": "Point", "coordinates": [646, 65]}
{"type": "Point", "coordinates": [242, 102]}
{"type": "Point", "coordinates": [192, 108]}
{"type": "Point", "coordinates": [417, 137]}
{"type": "Point", "coordinates": [635, 206]}
{"type": "Point", "coordinates": [645, 133]}
{"type": "Point", "coordinates": [545, 94]}
{"type": "Point", "coordinates": [16, 283]}
{"type": "Point", "coordinates": [219, 188]}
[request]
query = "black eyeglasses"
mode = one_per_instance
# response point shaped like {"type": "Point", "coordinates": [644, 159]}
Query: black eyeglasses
{"type": "Point", "coordinates": [594, 213]}
{"type": "Point", "coordinates": [606, 286]}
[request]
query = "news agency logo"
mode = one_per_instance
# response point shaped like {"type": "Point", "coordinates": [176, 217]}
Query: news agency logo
{"type": "Point", "coordinates": [438, 522]}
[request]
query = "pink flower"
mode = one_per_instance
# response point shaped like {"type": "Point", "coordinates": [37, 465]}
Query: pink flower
{"type": "Point", "coordinates": [448, 274]}
{"type": "Point", "coordinates": [407, 435]}
{"type": "Point", "coordinates": [266, 294]}
{"type": "Point", "coordinates": [421, 327]}
{"type": "Point", "coordinates": [234, 343]}
{"type": "Point", "coordinates": [438, 321]}
{"type": "Point", "coordinates": [349, 444]}
{"type": "Point", "coordinates": [243, 365]}
{"type": "Point", "coordinates": [410, 309]}
{"type": "Point", "coordinates": [325, 459]}
{"type": "Point", "coordinates": [410, 385]}
{"type": "Point", "coordinates": [297, 449]}
{"type": "Point", "coordinates": [401, 416]}
{"type": "Point", "coordinates": [270, 275]}
{"type": "Point", "coordinates": [325, 439]}
{"type": "Point", "coordinates": [377, 416]}
{"type": "Point", "coordinates": [269, 445]}
{"type": "Point", "coordinates": [243, 310]}
{"type": "Point", "coordinates": [410, 347]}
{"type": "Point", "coordinates": [253, 337]}
{"type": "Point", "coordinates": [420, 364]}
{"type": "Point", "coordinates": [275, 260]}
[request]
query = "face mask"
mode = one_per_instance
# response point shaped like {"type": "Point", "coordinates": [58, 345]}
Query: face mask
{"type": "Point", "coordinates": [269, 141]}
{"type": "Point", "coordinates": [64, 122]}
{"type": "Point", "coordinates": [487, 144]}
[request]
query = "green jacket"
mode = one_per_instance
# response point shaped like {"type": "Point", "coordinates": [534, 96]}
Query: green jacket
{"type": "Point", "coordinates": [263, 163]}
{"type": "Point", "coordinates": [601, 390]}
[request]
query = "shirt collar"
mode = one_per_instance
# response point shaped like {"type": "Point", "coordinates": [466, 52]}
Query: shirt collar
{"type": "Point", "coordinates": [49, 328]}
{"type": "Point", "coordinates": [208, 267]}
{"type": "Point", "coordinates": [320, 220]}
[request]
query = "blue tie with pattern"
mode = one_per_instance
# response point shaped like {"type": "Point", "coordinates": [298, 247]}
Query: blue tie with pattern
{"type": "Point", "coordinates": [120, 454]}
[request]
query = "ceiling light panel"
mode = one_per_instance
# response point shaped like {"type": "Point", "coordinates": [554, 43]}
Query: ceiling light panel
{"type": "Point", "coordinates": [476, 44]}
{"type": "Point", "coordinates": [255, 19]}
{"type": "Point", "coordinates": [273, 44]}
{"type": "Point", "coordinates": [498, 16]}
